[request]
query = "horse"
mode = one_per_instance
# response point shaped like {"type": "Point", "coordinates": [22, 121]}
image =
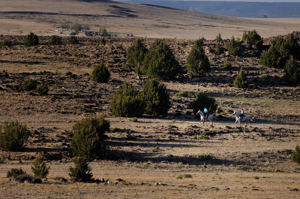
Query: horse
{"type": "Point", "coordinates": [246, 118]}
{"type": "Point", "coordinates": [202, 117]}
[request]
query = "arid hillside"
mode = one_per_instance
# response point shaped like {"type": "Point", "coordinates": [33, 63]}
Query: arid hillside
{"type": "Point", "coordinates": [47, 17]}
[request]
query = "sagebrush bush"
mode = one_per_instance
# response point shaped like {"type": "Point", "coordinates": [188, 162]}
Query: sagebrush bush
{"type": "Point", "coordinates": [100, 74]}
{"type": "Point", "coordinates": [233, 46]}
{"type": "Point", "coordinates": [197, 62]}
{"type": "Point", "coordinates": [14, 172]}
{"type": "Point", "coordinates": [81, 171]}
{"type": "Point", "coordinates": [296, 155]}
{"type": "Point", "coordinates": [182, 94]}
{"type": "Point", "coordinates": [292, 72]}
{"type": "Point", "coordinates": [202, 101]}
{"type": "Point", "coordinates": [136, 54]}
{"type": "Point", "coordinates": [127, 102]}
{"type": "Point", "coordinates": [102, 41]}
{"type": "Point", "coordinates": [160, 62]}
{"type": "Point", "coordinates": [39, 168]}
{"type": "Point", "coordinates": [252, 38]}
{"type": "Point", "coordinates": [241, 80]}
{"type": "Point", "coordinates": [29, 84]}
{"type": "Point", "coordinates": [31, 40]}
{"type": "Point", "coordinates": [156, 98]}
{"type": "Point", "coordinates": [13, 136]}
{"type": "Point", "coordinates": [88, 137]}
{"type": "Point", "coordinates": [42, 89]}
{"type": "Point", "coordinates": [55, 40]}
{"type": "Point", "coordinates": [227, 64]}
{"type": "Point", "coordinates": [73, 40]}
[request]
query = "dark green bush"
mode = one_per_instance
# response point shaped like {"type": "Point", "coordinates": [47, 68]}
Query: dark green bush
{"type": "Point", "coordinates": [160, 62]}
{"type": "Point", "coordinates": [14, 172]}
{"type": "Point", "coordinates": [55, 40]}
{"type": "Point", "coordinates": [156, 98]}
{"type": "Point", "coordinates": [73, 40]}
{"type": "Point", "coordinates": [292, 72]}
{"type": "Point", "coordinates": [241, 80]}
{"type": "Point", "coordinates": [127, 102]}
{"type": "Point", "coordinates": [6, 43]}
{"type": "Point", "coordinates": [197, 62]}
{"type": "Point", "coordinates": [31, 40]}
{"type": "Point", "coordinates": [204, 101]}
{"type": "Point", "coordinates": [252, 38]}
{"type": "Point", "coordinates": [217, 48]}
{"type": "Point", "coordinates": [296, 155]}
{"type": "Point", "coordinates": [279, 52]}
{"type": "Point", "coordinates": [42, 89]}
{"type": "Point", "coordinates": [88, 137]}
{"type": "Point", "coordinates": [136, 54]}
{"type": "Point", "coordinates": [102, 41]}
{"type": "Point", "coordinates": [81, 171]}
{"type": "Point", "coordinates": [100, 74]}
{"type": "Point", "coordinates": [13, 136]}
{"type": "Point", "coordinates": [29, 84]}
{"type": "Point", "coordinates": [39, 168]}
{"type": "Point", "coordinates": [233, 46]}
{"type": "Point", "coordinates": [182, 94]}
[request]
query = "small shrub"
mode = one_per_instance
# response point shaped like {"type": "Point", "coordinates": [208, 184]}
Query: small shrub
{"type": "Point", "coordinates": [219, 37]}
{"type": "Point", "coordinates": [100, 74]}
{"type": "Point", "coordinates": [296, 155]}
{"type": "Point", "coordinates": [217, 48]}
{"type": "Point", "coordinates": [246, 167]}
{"type": "Point", "coordinates": [179, 177]}
{"type": "Point", "coordinates": [31, 40]}
{"type": "Point", "coordinates": [14, 172]}
{"type": "Point", "coordinates": [197, 62]}
{"type": "Point", "coordinates": [233, 46]}
{"type": "Point", "coordinates": [81, 171]}
{"type": "Point", "coordinates": [55, 40]}
{"type": "Point", "coordinates": [88, 137]}
{"type": "Point", "coordinates": [136, 54]}
{"type": "Point", "coordinates": [102, 41]}
{"type": "Point", "coordinates": [6, 43]}
{"type": "Point", "coordinates": [133, 119]}
{"type": "Point", "coordinates": [204, 157]}
{"type": "Point", "coordinates": [156, 98]}
{"type": "Point", "coordinates": [103, 32]}
{"type": "Point", "coordinates": [13, 136]}
{"type": "Point", "coordinates": [127, 102]}
{"type": "Point", "coordinates": [292, 72]}
{"type": "Point", "coordinates": [42, 89]}
{"type": "Point", "coordinates": [204, 101]}
{"type": "Point", "coordinates": [39, 168]}
{"type": "Point", "coordinates": [73, 40]}
{"type": "Point", "coordinates": [160, 62]}
{"type": "Point", "coordinates": [29, 84]}
{"type": "Point", "coordinates": [182, 94]}
{"type": "Point", "coordinates": [241, 80]}
{"type": "Point", "coordinates": [227, 64]}
{"type": "Point", "coordinates": [187, 176]}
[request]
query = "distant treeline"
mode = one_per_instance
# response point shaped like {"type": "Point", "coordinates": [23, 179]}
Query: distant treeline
{"type": "Point", "coordinates": [234, 9]}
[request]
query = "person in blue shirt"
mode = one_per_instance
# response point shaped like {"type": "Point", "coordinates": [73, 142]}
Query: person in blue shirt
{"type": "Point", "coordinates": [205, 112]}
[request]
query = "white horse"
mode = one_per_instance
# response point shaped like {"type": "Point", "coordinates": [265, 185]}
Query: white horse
{"type": "Point", "coordinates": [246, 118]}
{"type": "Point", "coordinates": [202, 117]}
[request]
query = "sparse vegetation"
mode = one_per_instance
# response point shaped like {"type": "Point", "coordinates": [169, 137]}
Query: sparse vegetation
{"type": "Point", "coordinates": [13, 136]}
{"type": "Point", "coordinates": [55, 40]}
{"type": "Point", "coordinates": [241, 80]}
{"type": "Point", "coordinates": [39, 168]}
{"type": "Point", "coordinates": [88, 137]}
{"type": "Point", "coordinates": [100, 74]}
{"type": "Point", "coordinates": [197, 62]}
{"type": "Point", "coordinates": [42, 89]}
{"type": "Point", "coordinates": [160, 62]}
{"type": "Point", "coordinates": [187, 175]}
{"type": "Point", "coordinates": [81, 171]}
{"type": "Point", "coordinates": [73, 40]}
{"type": "Point", "coordinates": [182, 94]}
{"type": "Point", "coordinates": [102, 41]}
{"type": "Point", "coordinates": [227, 64]}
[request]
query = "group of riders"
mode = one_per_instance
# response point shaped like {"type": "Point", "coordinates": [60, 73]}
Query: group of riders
{"type": "Point", "coordinates": [205, 111]}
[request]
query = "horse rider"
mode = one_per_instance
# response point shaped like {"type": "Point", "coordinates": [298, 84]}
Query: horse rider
{"type": "Point", "coordinates": [242, 114]}
{"type": "Point", "coordinates": [205, 112]}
